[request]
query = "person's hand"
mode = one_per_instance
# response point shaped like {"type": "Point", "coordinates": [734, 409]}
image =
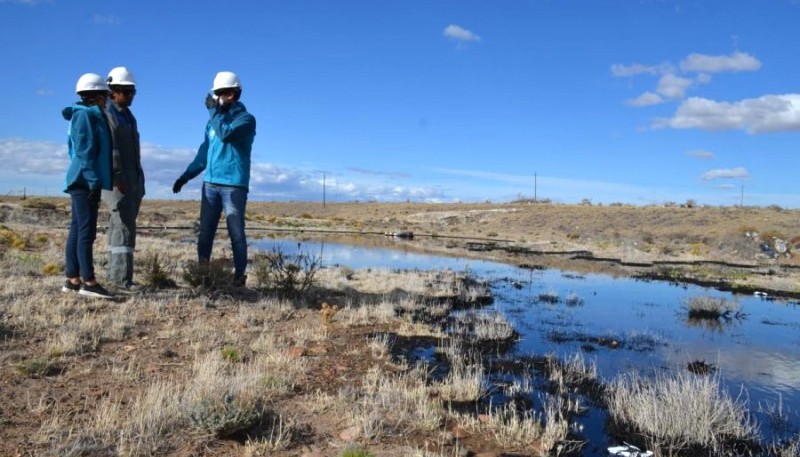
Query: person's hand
{"type": "Point", "coordinates": [211, 102]}
{"type": "Point", "coordinates": [178, 185]}
{"type": "Point", "coordinates": [121, 186]}
{"type": "Point", "coordinates": [94, 197]}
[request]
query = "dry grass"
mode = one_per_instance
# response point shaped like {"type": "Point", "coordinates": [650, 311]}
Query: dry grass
{"type": "Point", "coordinates": [395, 405]}
{"type": "Point", "coordinates": [538, 434]}
{"type": "Point", "coordinates": [712, 308]}
{"type": "Point", "coordinates": [145, 375]}
{"type": "Point", "coordinates": [680, 411]}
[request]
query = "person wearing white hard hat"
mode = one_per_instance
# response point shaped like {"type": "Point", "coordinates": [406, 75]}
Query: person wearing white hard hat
{"type": "Point", "coordinates": [89, 172]}
{"type": "Point", "coordinates": [125, 198]}
{"type": "Point", "coordinates": [225, 157]}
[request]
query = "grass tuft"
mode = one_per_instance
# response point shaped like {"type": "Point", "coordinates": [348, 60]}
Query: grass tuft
{"type": "Point", "coordinates": [680, 412]}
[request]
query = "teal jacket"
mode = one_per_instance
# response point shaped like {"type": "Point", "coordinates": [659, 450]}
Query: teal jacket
{"type": "Point", "coordinates": [89, 148]}
{"type": "Point", "coordinates": [225, 153]}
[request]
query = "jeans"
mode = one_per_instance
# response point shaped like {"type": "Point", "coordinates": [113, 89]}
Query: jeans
{"type": "Point", "coordinates": [232, 200]}
{"type": "Point", "coordinates": [82, 233]}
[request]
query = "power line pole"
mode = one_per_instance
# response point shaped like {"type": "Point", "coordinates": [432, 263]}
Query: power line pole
{"type": "Point", "coordinates": [741, 198]}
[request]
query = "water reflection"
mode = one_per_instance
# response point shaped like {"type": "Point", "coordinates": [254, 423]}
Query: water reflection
{"type": "Point", "coordinates": [623, 324]}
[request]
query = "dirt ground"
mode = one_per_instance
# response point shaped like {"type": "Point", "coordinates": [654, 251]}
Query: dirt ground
{"type": "Point", "coordinates": [727, 247]}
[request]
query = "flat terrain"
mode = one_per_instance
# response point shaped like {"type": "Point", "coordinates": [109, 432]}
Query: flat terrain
{"type": "Point", "coordinates": [749, 249]}
{"type": "Point", "coordinates": [84, 377]}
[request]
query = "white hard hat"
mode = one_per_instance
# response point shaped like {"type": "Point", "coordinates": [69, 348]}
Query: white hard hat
{"type": "Point", "coordinates": [91, 82]}
{"type": "Point", "coordinates": [226, 80]}
{"type": "Point", "coordinates": [121, 76]}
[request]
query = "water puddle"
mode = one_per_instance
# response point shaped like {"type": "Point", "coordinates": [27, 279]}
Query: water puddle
{"type": "Point", "coordinates": [622, 324]}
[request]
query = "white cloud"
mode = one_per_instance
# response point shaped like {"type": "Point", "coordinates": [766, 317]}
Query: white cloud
{"type": "Point", "coordinates": [390, 174]}
{"type": "Point", "coordinates": [459, 33]}
{"type": "Point", "coordinates": [33, 157]}
{"type": "Point", "coordinates": [646, 99]}
{"type": "Point", "coordinates": [703, 78]}
{"type": "Point", "coordinates": [105, 19]}
{"type": "Point", "coordinates": [769, 113]}
{"type": "Point", "coordinates": [701, 154]}
{"type": "Point", "coordinates": [737, 61]}
{"type": "Point", "coordinates": [26, 2]}
{"type": "Point", "coordinates": [42, 164]}
{"type": "Point", "coordinates": [621, 70]}
{"type": "Point", "coordinates": [672, 86]}
{"type": "Point", "coordinates": [726, 173]}
{"type": "Point", "coordinates": [44, 92]}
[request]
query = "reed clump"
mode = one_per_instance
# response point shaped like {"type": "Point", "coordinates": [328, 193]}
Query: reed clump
{"type": "Point", "coordinates": [680, 411]}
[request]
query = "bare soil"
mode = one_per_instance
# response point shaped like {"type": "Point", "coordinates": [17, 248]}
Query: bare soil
{"type": "Point", "coordinates": [712, 245]}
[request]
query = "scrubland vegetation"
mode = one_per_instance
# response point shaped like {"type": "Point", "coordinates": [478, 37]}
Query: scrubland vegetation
{"type": "Point", "coordinates": [310, 361]}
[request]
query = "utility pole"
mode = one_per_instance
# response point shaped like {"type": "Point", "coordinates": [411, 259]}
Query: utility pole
{"type": "Point", "coordinates": [741, 198]}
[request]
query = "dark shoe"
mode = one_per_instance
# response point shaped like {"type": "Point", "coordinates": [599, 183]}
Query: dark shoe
{"type": "Point", "coordinates": [240, 281]}
{"type": "Point", "coordinates": [68, 287]}
{"type": "Point", "coordinates": [95, 291]}
{"type": "Point", "coordinates": [130, 288]}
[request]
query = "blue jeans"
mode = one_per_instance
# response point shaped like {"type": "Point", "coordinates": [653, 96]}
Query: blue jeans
{"type": "Point", "coordinates": [82, 233]}
{"type": "Point", "coordinates": [232, 200]}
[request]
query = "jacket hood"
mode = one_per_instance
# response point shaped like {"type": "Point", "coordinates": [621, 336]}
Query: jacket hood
{"type": "Point", "coordinates": [70, 110]}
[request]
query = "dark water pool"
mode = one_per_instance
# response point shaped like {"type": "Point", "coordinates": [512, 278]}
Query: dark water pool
{"type": "Point", "coordinates": [561, 313]}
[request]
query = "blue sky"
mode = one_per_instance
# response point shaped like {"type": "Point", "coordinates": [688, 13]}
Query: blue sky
{"type": "Point", "coordinates": [641, 102]}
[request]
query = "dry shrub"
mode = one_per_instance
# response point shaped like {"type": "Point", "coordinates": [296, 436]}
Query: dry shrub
{"type": "Point", "coordinates": [287, 275]}
{"type": "Point", "coordinates": [394, 405]}
{"type": "Point", "coordinates": [680, 412]}
{"type": "Point", "coordinates": [10, 238]}
{"type": "Point", "coordinates": [223, 398]}
{"type": "Point", "coordinates": [712, 308]}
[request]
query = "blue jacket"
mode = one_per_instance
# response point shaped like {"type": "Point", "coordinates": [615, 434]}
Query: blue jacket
{"type": "Point", "coordinates": [89, 148]}
{"type": "Point", "coordinates": [225, 153]}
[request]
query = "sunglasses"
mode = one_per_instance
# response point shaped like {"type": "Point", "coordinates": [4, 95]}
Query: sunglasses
{"type": "Point", "coordinates": [125, 91]}
{"type": "Point", "coordinates": [219, 92]}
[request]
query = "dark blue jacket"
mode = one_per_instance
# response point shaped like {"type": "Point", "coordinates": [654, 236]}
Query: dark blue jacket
{"type": "Point", "coordinates": [89, 148]}
{"type": "Point", "coordinates": [225, 153]}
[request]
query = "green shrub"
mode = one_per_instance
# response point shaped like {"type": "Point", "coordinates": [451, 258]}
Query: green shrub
{"type": "Point", "coordinates": [158, 270]}
{"type": "Point", "coordinates": [51, 269]}
{"type": "Point", "coordinates": [36, 367]}
{"type": "Point", "coordinates": [208, 276]}
{"type": "Point", "coordinates": [355, 451]}
{"type": "Point", "coordinates": [231, 353]}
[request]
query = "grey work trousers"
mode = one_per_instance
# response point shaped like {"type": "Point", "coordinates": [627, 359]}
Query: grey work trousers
{"type": "Point", "coordinates": [124, 209]}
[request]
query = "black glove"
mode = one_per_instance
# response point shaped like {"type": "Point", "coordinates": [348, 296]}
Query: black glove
{"type": "Point", "coordinates": [94, 197]}
{"type": "Point", "coordinates": [178, 185]}
{"type": "Point", "coordinates": [211, 102]}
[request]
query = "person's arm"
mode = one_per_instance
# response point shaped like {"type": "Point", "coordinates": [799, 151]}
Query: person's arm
{"type": "Point", "coordinates": [83, 144]}
{"type": "Point", "coordinates": [194, 168]}
{"type": "Point", "coordinates": [116, 158]}
{"type": "Point", "coordinates": [199, 163]}
{"type": "Point", "coordinates": [233, 130]}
